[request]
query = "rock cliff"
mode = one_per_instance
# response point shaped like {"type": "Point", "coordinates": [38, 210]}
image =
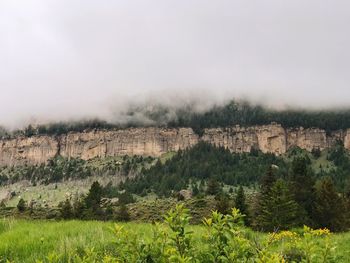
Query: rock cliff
{"type": "Point", "coordinates": [32, 150]}
{"type": "Point", "coordinates": [267, 138]}
{"type": "Point", "coordinates": [137, 141]}
{"type": "Point", "coordinates": [152, 141]}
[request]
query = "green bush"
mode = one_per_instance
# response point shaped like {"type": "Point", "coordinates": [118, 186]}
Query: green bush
{"type": "Point", "coordinates": [21, 206]}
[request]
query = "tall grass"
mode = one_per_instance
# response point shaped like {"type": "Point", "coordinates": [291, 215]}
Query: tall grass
{"type": "Point", "coordinates": [29, 241]}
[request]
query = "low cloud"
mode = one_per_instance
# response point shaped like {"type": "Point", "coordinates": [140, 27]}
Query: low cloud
{"type": "Point", "coordinates": [67, 60]}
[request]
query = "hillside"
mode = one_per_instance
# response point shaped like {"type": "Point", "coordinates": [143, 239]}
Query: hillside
{"type": "Point", "coordinates": [65, 178]}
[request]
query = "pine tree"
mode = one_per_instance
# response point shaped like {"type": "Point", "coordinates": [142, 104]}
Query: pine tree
{"type": "Point", "coordinates": [223, 204]}
{"type": "Point", "coordinates": [240, 203]}
{"type": "Point", "coordinates": [338, 154]}
{"type": "Point", "coordinates": [109, 212]}
{"type": "Point", "coordinates": [93, 199]}
{"type": "Point", "coordinates": [78, 208]}
{"type": "Point", "coordinates": [213, 187]}
{"type": "Point", "coordinates": [302, 187]}
{"type": "Point", "coordinates": [267, 181]}
{"type": "Point", "coordinates": [347, 207]}
{"type": "Point", "coordinates": [316, 152]}
{"type": "Point", "coordinates": [347, 189]}
{"type": "Point", "coordinates": [93, 202]}
{"type": "Point", "coordinates": [66, 209]}
{"type": "Point", "coordinates": [21, 206]}
{"type": "Point", "coordinates": [330, 207]}
{"type": "Point", "coordinates": [123, 213]}
{"type": "Point", "coordinates": [266, 184]}
{"type": "Point", "coordinates": [195, 190]}
{"type": "Point", "coordinates": [278, 209]}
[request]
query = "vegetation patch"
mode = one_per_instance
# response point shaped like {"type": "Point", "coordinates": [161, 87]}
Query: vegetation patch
{"type": "Point", "coordinates": [220, 238]}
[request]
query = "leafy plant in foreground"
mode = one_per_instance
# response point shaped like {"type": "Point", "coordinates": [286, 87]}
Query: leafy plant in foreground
{"type": "Point", "coordinates": [226, 240]}
{"type": "Point", "coordinates": [177, 219]}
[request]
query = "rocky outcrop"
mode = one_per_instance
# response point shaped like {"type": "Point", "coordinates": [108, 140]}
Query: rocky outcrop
{"type": "Point", "coordinates": [32, 150]}
{"type": "Point", "coordinates": [236, 139]}
{"type": "Point", "coordinates": [137, 141]}
{"type": "Point", "coordinates": [88, 145]}
{"type": "Point", "coordinates": [307, 139]}
{"type": "Point", "coordinates": [152, 141]}
{"type": "Point", "coordinates": [267, 138]}
{"type": "Point", "coordinates": [346, 139]}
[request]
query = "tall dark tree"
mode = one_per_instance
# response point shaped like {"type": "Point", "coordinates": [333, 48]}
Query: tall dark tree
{"type": "Point", "coordinates": [278, 209]}
{"type": "Point", "coordinates": [21, 206]}
{"type": "Point", "coordinates": [329, 207]}
{"type": "Point", "coordinates": [267, 181]}
{"type": "Point", "coordinates": [302, 187]}
{"type": "Point", "coordinates": [240, 203]}
{"type": "Point", "coordinates": [66, 209]}
{"type": "Point", "coordinates": [93, 199]}
{"type": "Point", "coordinates": [316, 152]}
{"type": "Point", "coordinates": [223, 203]}
{"type": "Point", "coordinates": [338, 154]}
{"type": "Point", "coordinates": [195, 189]}
{"type": "Point", "coordinates": [123, 213]}
{"type": "Point", "coordinates": [347, 202]}
{"type": "Point", "coordinates": [78, 208]}
{"type": "Point", "coordinates": [347, 189]}
{"type": "Point", "coordinates": [213, 187]}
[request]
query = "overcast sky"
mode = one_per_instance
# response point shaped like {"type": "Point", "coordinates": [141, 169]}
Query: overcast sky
{"type": "Point", "coordinates": [79, 58]}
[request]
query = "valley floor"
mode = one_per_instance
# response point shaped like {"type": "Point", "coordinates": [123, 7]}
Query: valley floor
{"type": "Point", "coordinates": [30, 241]}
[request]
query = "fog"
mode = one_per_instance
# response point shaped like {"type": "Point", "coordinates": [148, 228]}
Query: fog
{"type": "Point", "coordinates": [66, 60]}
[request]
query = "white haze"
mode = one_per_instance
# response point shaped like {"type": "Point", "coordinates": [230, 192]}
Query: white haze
{"type": "Point", "coordinates": [62, 60]}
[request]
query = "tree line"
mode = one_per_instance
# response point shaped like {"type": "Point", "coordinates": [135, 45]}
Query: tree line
{"type": "Point", "coordinates": [233, 113]}
{"type": "Point", "coordinates": [246, 114]}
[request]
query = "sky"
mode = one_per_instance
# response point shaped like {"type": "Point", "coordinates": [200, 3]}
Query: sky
{"type": "Point", "coordinates": [63, 60]}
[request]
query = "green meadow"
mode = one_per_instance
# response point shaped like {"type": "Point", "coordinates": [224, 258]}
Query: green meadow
{"type": "Point", "coordinates": [57, 241]}
{"type": "Point", "coordinates": [33, 240]}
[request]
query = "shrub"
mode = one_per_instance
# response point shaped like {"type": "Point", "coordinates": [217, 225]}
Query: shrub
{"type": "Point", "coordinates": [21, 206]}
{"type": "Point", "coordinates": [123, 213]}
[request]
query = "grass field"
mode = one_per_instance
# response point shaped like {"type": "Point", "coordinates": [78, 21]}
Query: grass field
{"type": "Point", "coordinates": [29, 241]}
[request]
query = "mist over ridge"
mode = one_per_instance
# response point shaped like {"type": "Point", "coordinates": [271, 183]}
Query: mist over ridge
{"type": "Point", "coordinates": [105, 60]}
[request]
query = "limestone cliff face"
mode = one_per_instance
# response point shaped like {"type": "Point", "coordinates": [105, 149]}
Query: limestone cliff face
{"type": "Point", "coordinates": [271, 138]}
{"type": "Point", "coordinates": [236, 139]}
{"type": "Point", "coordinates": [267, 138]}
{"type": "Point", "coordinates": [307, 138]}
{"type": "Point", "coordinates": [138, 141]}
{"type": "Point", "coordinates": [347, 139]}
{"type": "Point", "coordinates": [33, 150]}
